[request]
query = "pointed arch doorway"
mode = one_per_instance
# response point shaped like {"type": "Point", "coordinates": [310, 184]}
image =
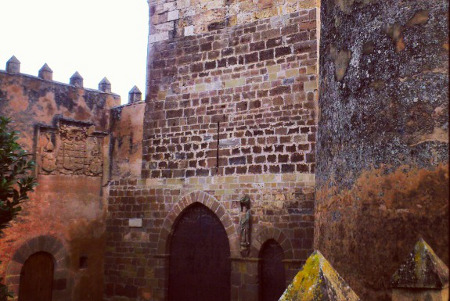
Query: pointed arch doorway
{"type": "Point", "coordinates": [199, 264]}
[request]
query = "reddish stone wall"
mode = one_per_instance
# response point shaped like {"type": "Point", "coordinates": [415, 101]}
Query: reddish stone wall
{"type": "Point", "coordinates": [65, 215]}
{"type": "Point", "coordinates": [382, 145]}
{"type": "Point", "coordinates": [255, 85]}
{"type": "Point", "coordinates": [126, 141]}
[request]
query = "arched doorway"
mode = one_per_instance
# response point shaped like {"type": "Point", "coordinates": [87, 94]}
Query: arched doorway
{"type": "Point", "coordinates": [36, 278]}
{"type": "Point", "coordinates": [272, 281]}
{"type": "Point", "coordinates": [199, 264]}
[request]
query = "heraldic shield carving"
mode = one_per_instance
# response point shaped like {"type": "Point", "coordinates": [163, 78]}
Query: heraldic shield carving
{"type": "Point", "coordinates": [72, 148]}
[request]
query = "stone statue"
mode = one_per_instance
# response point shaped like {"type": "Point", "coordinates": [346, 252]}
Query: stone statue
{"type": "Point", "coordinates": [244, 224]}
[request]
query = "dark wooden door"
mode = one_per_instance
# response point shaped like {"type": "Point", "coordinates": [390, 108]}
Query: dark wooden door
{"type": "Point", "coordinates": [36, 278]}
{"type": "Point", "coordinates": [199, 264]}
{"type": "Point", "coordinates": [271, 272]}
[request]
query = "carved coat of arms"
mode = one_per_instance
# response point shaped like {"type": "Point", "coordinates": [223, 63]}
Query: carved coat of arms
{"type": "Point", "coordinates": [70, 149]}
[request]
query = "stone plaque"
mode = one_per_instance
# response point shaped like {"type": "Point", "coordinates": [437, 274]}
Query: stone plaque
{"type": "Point", "coordinates": [135, 222]}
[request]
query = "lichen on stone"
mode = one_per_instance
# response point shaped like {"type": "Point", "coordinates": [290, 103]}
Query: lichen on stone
{"type": "Point", "coordinates": [422, 269]}
{"type": "Point", "coordinates": [318, 280]}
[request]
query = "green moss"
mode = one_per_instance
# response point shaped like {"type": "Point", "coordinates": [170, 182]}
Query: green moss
{"type": "Point", "coordinates": [419, 255]}
{"type": "Point", "coordinates": [422, 269]}
{"type": "Point", "coordinates": [312, 282]}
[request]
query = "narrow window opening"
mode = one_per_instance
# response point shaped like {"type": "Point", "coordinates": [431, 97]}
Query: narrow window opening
{"type": "Point", "coordinates": [218, 145]}
{"type": "Point", "coordinates": [83, 262]}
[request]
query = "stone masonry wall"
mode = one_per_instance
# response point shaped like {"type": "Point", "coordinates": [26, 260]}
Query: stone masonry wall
{"type": "Point", "coordinates": [189, 17]}
{"type": "Point", "coordinates": [64, 127]}
{"type": "Point", "coordinates": [255, 85]}
{"type": "Point", "coordinates": [126, 141]}
{"type": "Point", "coordinates": [136, 263]}
{"type": "Point", "coordinates": [382, 146]}
{"type": "Point", "coordinates": [178, 18]}
{"type": "Point", "coordinates": [252, 91]}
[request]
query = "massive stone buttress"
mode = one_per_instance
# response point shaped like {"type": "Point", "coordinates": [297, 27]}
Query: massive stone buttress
{"type": "Point", "coordinates": [382, 148]}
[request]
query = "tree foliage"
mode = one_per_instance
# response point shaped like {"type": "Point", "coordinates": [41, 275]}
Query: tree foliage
{"type": "Point", "coordinates": [16, 179]}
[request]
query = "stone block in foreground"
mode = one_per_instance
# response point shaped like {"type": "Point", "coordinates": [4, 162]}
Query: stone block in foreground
{"type": "Point", "coordinates": [318, 281]}
{"type": "Point", "coordinates": [423, 276]}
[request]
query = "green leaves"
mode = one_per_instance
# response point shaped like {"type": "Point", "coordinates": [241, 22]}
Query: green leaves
{"type": "Point", "coordinates": [16, 180]}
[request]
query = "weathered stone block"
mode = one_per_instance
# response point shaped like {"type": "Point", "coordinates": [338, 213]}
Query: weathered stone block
{"type": "Point", "coordinates": [318, 280]}
{"type": "Point", "coordinates": [423, 276]}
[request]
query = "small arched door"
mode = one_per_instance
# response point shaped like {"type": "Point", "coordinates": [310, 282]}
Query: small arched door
{"type": "Point", "coordinates": [36, 278]}
{"type": "Point", "coordinates": [199, 264]}
{"type": "Point", "coordinates": [272, 281]}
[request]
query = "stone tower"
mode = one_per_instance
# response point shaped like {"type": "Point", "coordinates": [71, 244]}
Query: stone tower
{"type": "Point", "coordinates": [225, 139]}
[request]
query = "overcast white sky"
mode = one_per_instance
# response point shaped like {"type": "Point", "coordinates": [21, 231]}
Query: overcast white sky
{"type": "Point", "coordinates": [97, 38]}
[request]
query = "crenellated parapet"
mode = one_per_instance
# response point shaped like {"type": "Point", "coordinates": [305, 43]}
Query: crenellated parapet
{"type": "Point", "coordinates": [46, 73]}
{"type": "Point", "coordinates": [39, 100]}
{"type": "Point", "coordinates": [135, 95]}
{"type": "Point", "coordinates": [13, 65]}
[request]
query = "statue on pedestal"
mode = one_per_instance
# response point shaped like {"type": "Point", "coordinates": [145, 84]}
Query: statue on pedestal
{"type": "Point", "coordinates": [244, 226]}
